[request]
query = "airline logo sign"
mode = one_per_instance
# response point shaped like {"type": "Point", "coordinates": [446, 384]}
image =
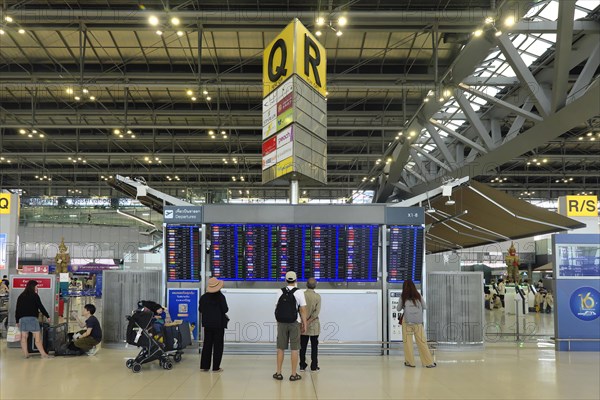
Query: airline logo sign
{"type": "Point", "coordinates": [284, 167]}
{"type": "Point", "coordinates": [269, 152]}
{"type": "Point", "coordinates": [582, 206]}
{"type": "Point", "coordinates": [285, 144]}
{"type": "Point", "coordinates": [278, 110]}
{"type": "Point", "coordinates": [4, 203]}
{"type": "Point", "coordinates": [294, 51]}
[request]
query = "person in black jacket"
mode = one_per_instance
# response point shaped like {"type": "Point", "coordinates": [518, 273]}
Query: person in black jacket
{"type": "Point", "coordinates": [29, 305]}
{"type": "Point", "coordinates": [213, 307]}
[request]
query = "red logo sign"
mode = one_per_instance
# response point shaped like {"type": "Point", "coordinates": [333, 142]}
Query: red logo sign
{"type": "Point", "coordinates": [285, 103]}
{"type": "Point", "coordinates": [269, 146]}
{"type": "Point", "coordinates": [43, 283]}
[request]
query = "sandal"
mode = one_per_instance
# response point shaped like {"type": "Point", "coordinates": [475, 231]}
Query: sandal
{"type": "Point", "coordinates": [278, 376]}
{"type": "Point", "coordinates": [295, 377]}
{"type": "Point", "coordinates": [406, 364]}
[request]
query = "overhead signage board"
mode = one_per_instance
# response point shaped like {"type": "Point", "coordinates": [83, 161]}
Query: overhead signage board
{"type": "Point", "coordinates": [3, 255]}
{"type": "Point", "coordinates": [182, 215]}
{"type": "Point", "coordinates": [4, 203]}
{"type": "Point", "coordinates": [294, 51]}
{"type": "Point", "coordinates": [582, 206]}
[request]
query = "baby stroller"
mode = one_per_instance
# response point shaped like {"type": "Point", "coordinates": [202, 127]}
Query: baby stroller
{"type": "Point", "coordinates": [141, 334]}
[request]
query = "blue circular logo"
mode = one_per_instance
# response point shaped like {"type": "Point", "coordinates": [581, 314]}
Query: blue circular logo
{"type": "Point", "coordinates": [585, 303]}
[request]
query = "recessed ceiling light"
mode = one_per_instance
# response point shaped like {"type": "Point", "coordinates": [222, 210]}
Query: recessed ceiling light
{"type": "Point", "coordinates": [189, 92]}
{"type": "Point", "coordinates": [8, 18]}
{"type": "Point", "coordinates": [320, 21]}
{"type": "Point", "coordinates": [208, 98]}
{"type": "Point", "coordinates": [33, 131]}
{"type": "Point", "coordinates": [2, 32]}
{"type": "Point", "coordinates": [180, 33]}
{"type": "Point", "coordinates": [509, 21]}
{"type": "Point", "coordinates": [489, 20]}
{"type": "Point", "coordinates": [342, 21]}
{"type": "Point", "coordinates": [84, 90]}
{"type": "Point", "coordinates": [21, 31]}
{"type": "Point", "coordinates": [338, 33]}
{"type": "Point", "coordinates": [92, 98]}
{"type": "Point", "coordinates": [153, 20]}
{"type": "Point", "coordinates": [22, 131]}
{"type": "Point", "coordinates": [193, 98]}
{"type": "Point", "coordinates": [318, 33]}
{"type": "Point", "coordinates": [498, 33]}
{"type": "Point", "coordinates": [205, 92]}
{"type": "Point", "coordinates": [159, 32]}
{"type": "Point", "coordinates": [175, 21]}
{"type": "Point", "coordinates": [77, 98]}
{"type": "Point", "coordinates": [478, 33]}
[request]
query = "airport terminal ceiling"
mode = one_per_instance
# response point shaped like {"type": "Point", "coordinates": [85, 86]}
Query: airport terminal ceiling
{"type": "Point", "coordinates": [419, 92]}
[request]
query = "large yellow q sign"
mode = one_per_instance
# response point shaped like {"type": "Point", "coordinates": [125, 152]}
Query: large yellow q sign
{"type": "Point", "coordinates": [4, 203]}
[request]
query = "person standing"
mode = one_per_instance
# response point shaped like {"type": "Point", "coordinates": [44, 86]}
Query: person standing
{"type": "Point", "coordinates": [313, 327]}
{"type": "Point", "coordinates": [289, 324]}
{"type": "Point", "coordinates": [213, 307]}
{"type": "Point", "coordinates": [29, 305]}
{"type": "Point", "coordinates": [501, 290]}
{"type": "Point", "coordinates": [412, 325]}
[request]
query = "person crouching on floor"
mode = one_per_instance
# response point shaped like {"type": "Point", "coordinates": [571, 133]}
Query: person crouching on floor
{"type": "Point", "coordinates": [86, 340]}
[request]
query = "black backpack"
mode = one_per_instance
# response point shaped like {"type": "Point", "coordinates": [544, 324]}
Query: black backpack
{"type": "Point", "coordinates": [286, 310]}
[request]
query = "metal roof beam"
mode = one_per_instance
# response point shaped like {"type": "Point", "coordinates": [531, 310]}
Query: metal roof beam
{"type": "Point", "coordinates": [458, 136]}
{"type": "Point", "coordinates": [564, 39]}
{"type": "Point", "coordinates": [474, 119]}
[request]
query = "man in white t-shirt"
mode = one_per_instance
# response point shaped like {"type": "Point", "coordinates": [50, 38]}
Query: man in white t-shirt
{"type": "Point", "coordinates": [289, 332]}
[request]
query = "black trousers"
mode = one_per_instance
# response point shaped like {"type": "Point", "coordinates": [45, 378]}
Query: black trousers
{"type": "Point", "coordinates": [213, 347]}
{"type": "Point", "coordinates": [314, 351]}
{"type": "Point", "coordinates": [501, 299]}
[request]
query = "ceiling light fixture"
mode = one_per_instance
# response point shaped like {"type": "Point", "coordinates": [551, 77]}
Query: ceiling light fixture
{"type": "Point", "coordinates": [509, 21]}
{"type": "Point", "coordinates": [153, 20]}
{"type": "Point", "coordinates": [175, 21]}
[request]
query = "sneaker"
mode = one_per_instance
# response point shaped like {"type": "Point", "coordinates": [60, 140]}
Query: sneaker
{"type": "Point", "coordinates": [315, 370]}
{"type": "Point", "coordinates": [302, 369]}
{"type": "Point", "coordinates": [92, 351]}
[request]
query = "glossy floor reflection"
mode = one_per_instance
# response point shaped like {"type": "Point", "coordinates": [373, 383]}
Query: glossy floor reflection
{"type": "Point", "coordinates": [500, 371]}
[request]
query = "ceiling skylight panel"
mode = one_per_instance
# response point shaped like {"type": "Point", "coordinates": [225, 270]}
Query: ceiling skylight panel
{"type": "Point", "coordinates": [533, 11]}
{"type": "Point", "coordinates": [587, 5]}
{"type": "Point", "coordinates": [550, 12]}
{"type": "Point", "coordinates": [539, 47]}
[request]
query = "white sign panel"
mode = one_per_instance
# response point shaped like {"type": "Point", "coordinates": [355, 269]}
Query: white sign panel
{"type": "Point", "coordinates": [285, 151]}
{"type": "Point", "coordinates": [286, 136]}
{"type": "Point", "coordinates": [269, 160]}
{"type": "Point", "coordinates": [395, 329]}
{"type": "Point", "coordinates": [285, 89]}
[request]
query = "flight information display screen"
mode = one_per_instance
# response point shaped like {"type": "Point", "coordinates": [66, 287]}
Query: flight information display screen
{"type": "Point", "coordinates": [405, 253]}
{"type": "Point", "coordinates": [268, 251]}
{"type": "Point", "coordinates": [183, 253]}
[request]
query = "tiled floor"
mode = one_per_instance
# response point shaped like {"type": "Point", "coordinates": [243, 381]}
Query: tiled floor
{"type": "Point", "coordinates": [501, 371]}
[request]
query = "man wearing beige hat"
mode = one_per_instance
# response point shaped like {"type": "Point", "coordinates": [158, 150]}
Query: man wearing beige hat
{"type": "Point", "coordinates": [213, 307]}
{"type": "Point", "coordinates": [289, 324]}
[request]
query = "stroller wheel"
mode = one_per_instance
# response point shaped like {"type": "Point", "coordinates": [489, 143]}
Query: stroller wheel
{"type": "Point", "coordinates": [177, 357]}
{"type": "Point", "coordinates": [129, 363]}
{"type": "Point", "coordinates": [168, 365]}
{"type": "Point", "coordinates": [136, 367]}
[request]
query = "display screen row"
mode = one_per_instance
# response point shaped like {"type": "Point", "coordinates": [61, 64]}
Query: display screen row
{"type": "Point", "coordinates": [182, 252]}
{"type": "Point", "coordinates": [268, 251]}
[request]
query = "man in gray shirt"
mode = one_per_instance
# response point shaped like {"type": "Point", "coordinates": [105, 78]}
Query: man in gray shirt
{"type": "Point", "coordinates": [313, 308]}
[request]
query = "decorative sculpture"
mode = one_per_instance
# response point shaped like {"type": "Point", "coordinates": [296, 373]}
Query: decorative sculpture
{"type": "Point", "coordinates": [62, 259]}
{"type": "Point", "coordinates": [512, 262]}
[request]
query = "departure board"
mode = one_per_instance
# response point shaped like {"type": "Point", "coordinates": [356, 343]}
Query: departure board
{"type": "Point", "coordinates": [183, 253]}
{"type": "Point", "coordinates": [362, 251]}
{"type": "Point", "coordinates": [227, 249]}
{"type": "Point", "coordinates": [405, 253]}
{"type": "Point", "coordinates": [266, 252]}
{"type": "Point", "coordinates": [294, 243]}
{"type": "Point", "coordinates": [326, 251]}
{"type": "Point", "coordinates": [260, 252]}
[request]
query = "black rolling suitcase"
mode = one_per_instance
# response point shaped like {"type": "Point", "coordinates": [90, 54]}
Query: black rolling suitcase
{"type": "Point", "coordinates": [177, 337]}
{"type": "Point", "coordinates": [31, 347]}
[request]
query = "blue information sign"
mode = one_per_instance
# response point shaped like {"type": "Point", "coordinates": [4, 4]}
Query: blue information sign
{"type": "Point", "coordinates": [183, 304]}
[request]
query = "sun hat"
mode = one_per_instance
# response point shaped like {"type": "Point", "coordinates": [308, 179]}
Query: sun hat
{"type": "Point", "coordinates": [290, 276]}
{"type": "Point", "coordinates": [214, 285]}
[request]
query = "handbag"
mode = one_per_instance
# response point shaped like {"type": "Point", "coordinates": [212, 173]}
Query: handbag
{"type": "Point", "coordinates": [225, 321]}
{"type": "Point", "coordinates": [13, 334]}
{"type": "Point", "coordinates": [400, 318]}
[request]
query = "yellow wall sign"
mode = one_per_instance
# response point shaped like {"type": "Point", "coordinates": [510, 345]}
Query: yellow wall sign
{"type": "Point", "coordinates": [4, 203]}
{"type": "Point", "coordinates": [294, 51]}
{"type": "Point", "coordinates": [582, 206]}
{"type": "Point", "coordinates": [284, 166]}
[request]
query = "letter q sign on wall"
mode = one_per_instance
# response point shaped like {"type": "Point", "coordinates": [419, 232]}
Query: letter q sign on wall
{"type": "Point", "coordinates": [294, 51]}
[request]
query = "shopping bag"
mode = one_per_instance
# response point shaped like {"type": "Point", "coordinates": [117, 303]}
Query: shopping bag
{"type": "Point", "coordinates": [13, 334]}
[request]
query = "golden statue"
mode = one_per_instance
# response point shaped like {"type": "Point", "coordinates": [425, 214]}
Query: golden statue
{"type": "Point", "coordinates": [512, 262]}
{"type": "Point", "coordinates": [63, 258]}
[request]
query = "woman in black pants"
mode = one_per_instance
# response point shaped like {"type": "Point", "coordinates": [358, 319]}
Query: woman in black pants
{"type": "Point", "coordinates": [213, 307]}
